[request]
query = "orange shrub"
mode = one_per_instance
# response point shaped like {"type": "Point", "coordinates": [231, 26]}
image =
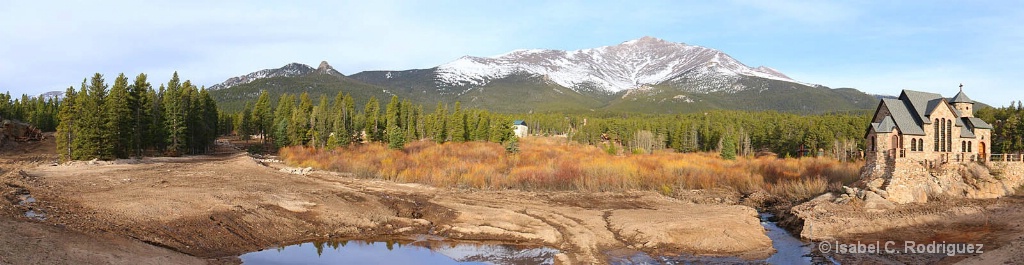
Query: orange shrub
{"type": "Point", "coordinates": [557, 164]}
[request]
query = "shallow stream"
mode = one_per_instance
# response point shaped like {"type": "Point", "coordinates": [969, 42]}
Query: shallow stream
{"type": "Point", "coordinates": [790, 250]}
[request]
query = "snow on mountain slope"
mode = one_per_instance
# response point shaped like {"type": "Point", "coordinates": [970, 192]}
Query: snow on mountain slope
{"type": "Point", "coordinates": [632, 64]}
{"type": "Point", "coordinates": [289, 70]}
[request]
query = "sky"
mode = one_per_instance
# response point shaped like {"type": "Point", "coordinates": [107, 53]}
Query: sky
{"type": "Point", "coordinates": [878, 47]}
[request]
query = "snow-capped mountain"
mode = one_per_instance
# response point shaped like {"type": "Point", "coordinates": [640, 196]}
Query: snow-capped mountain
{"type": "Point", "coordinates": [289, 70]}
{"type": "Point", "coordinates": [58, 95]}
{"type": "Point", "coordinates": [498, 254]}
{"type": "Point", "coordinates": [631, 64]}
{"type": "Point", "coordinates": [642, 75]}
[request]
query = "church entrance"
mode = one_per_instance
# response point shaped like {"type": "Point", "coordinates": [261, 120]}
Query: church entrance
{"type": "Point", "coordinates": [982, 155]}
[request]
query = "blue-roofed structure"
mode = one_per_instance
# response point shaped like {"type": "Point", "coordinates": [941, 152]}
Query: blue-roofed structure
{"type": "Point", "coordinates": [520, 129]}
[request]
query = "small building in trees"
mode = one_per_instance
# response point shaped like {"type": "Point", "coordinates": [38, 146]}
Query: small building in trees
{"type": "Point", "coordinates": [520, 129]}
{"type": "Point", "coordinates": [928, 129]}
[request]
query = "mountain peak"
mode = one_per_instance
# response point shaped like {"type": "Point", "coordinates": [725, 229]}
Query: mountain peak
{"type": "Point", "coordinates": [288, 70]}
{"type": "Point", "coordinates": [645, 40]}
{"type": "Point", "coordinates": [642, 62]}
{"type": "Point", "coordinates": [324, 66]}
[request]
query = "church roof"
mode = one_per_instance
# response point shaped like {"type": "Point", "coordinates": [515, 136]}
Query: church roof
{"type": "Point", "coordinates": [921, 103]}
{"type": "Point", "coordinates": [961, 98]}
{"type": "Point", "coordinates": [975, 122]}
{"type": "Point", "coordinates": [966, 132]}
{"type": "Point", "coordinates": [886, 125]}
{"type": "Point", "coordinates": [902, 117]}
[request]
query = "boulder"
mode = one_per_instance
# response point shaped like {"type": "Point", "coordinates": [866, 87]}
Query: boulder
{"type": "Point", "coordinates": [873, 201]}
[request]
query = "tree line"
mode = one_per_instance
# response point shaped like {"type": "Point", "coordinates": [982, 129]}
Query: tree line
{"type": "Point", "coordinates": [335, 123]}
{"type": "Point", "coordinates": [134, 119]}
{"type": "Point", "coordinates": [737, 132]}
{"type": "Point", "coordinates": [332, 123]}
{"type": "Point", "coordinates": [38, 111]}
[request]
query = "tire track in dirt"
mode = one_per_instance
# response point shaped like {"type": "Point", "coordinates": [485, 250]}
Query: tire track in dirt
{"type": "Point", "coordinates": [617, 233]}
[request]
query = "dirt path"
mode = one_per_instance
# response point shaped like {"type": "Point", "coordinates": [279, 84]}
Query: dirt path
{"type": "Point", "coordinates": [226, 205]}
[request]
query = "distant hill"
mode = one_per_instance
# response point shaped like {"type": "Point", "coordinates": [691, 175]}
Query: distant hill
{"type": "Point", "coordinates": [322, 81]}
{"type": "Point", "coordinates": [643, 75]}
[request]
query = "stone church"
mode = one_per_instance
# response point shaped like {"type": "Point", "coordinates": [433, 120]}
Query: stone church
{"type": "Point", "coordinates": [928, 129]}
{"type": "Point", "coordinates": [922, 145]}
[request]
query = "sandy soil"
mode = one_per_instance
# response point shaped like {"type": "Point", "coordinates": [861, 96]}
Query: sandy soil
{"type": "Point", "coordinates": [217, 207]}
{"type": "Point", "coordinates": [209, 209]}
{"type": "Point", "coordinates": [998, 224]}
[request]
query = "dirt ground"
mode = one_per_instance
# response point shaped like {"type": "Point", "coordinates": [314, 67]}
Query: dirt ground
{"type": "Point", "coordinates": [210, 209]}
{"type": "Point", "coordinates": [998, 224]}
{"type": "Point", "coordinates": [213, 208]}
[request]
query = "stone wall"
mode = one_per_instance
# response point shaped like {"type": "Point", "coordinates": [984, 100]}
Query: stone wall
{"type": "Point", "coordinates": [910, 181]}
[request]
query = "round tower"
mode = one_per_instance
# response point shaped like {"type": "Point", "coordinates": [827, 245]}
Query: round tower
{"type": "Point", "coordinates": [963, 104]}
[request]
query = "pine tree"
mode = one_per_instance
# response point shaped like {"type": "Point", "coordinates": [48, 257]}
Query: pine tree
{"type": "Point", "coordinates": [139, 99]}
{"type": "Point", "coordinates": [408, 120]}
{"type": "Point", "coordinates": [501, 130]}
{"type": "Point", "coordinates": [66, 127]}
{"type": "Point", "coordinates": [373, 121]}
{"type": "Point", "coordinates": [156, 136]}
{"type": "Point", "coordinates": [351, 127]}
{"type": "Point", "coordinates": [262, 118]}
{"type": "Point", "coordinates": [282, 120]}
{"type": "Point", "coordinates": [338, 136]}
{"type": "Point", "coordinates": [175, 100]}
{"type": "Point", "coordinates": [728, 147]}
{"type": "Point", "coordinates": [395, 134]}
{"type": "Point", "coordinates": [440, 130]}
{"type": "Point", "coordinates": [244, 123]}
{"type": "Point", "coordinates": [298, 128]}
{"type": "Point", "coordinates": [321, 123]}
{"type": "Point", "coordinates": [79, 147]}
{"type": "Point", "coordinates": [120, 118]}
{"type": "Point", "coordinates": [458, 124]}
{"type": "Point", "coordinates": [210, 121]}
{"type": "Point", "coordinates": [482, 130]}
{"type": "Point", "coordinates": [191, 112]}
{"type": "Point", "coordinates": [92, 127]}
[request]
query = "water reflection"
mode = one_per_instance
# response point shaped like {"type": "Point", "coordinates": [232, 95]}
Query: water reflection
{"type": "Point", "coordinates": [26, 199]}
{"type": "Point", "coordinates": [398, 252]}
{"type": "Point", "coordinates": [789, 250]}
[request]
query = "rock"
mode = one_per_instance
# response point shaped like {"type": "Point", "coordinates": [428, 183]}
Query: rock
{"type": "Point", "coordinates": [875, 184]}
{"type": "Point", "coordinates": [850, 191]}
{"type": "Point", "coordinates": [882, 193]}
{"type": "Point", "coordinates": [873, 201]}
{"type": "Point", "coordinates": [825, 197]}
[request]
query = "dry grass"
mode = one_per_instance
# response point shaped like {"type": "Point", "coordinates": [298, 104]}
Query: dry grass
{"type": "Point", "coordinates": [556, 164]}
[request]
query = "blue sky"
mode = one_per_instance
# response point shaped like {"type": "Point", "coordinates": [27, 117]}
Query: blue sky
{"type": "Point", "coordinates": [875, 46]}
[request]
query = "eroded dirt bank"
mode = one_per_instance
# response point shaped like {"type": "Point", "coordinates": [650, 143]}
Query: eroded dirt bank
{"type": "Point", "coordinates": [222, 206]}
{"type": "Point", "coordinates": [998, 224]}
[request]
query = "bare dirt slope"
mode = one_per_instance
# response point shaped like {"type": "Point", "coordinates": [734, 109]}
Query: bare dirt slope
{"type": "Point", "coordinates": [226, 205]}
{"type": "Point", "coordinates": [996, 223]}
{"type": "Point", "coordinates": [25, 242]}
{"type": "Point", "coordinates": [33, 242]}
